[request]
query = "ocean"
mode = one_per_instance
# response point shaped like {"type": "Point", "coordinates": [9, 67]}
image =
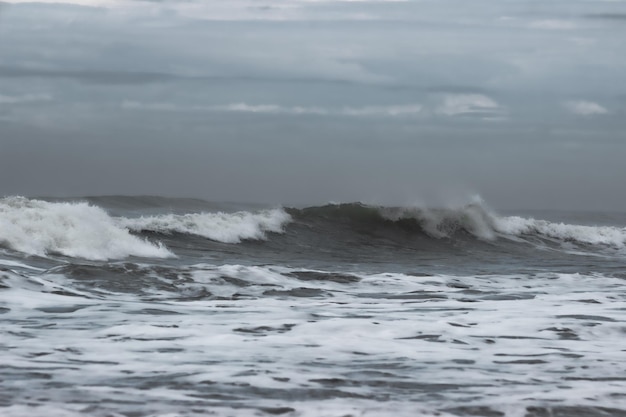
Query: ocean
{"type": "Point", "coordinates": [153, 306]}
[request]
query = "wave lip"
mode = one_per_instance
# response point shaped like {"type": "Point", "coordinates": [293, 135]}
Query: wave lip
{"type": "Point", "coordinates": [220, 226]}
{"type": "Point", "coordinates": [473, 218]}
{"type": "Point", "coordinates": [78, 230]}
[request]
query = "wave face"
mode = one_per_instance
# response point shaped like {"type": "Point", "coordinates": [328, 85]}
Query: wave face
{"type": "Point", "coordinates": [150, 226]}
{"type": "Point", "coordinates": [77, 230]}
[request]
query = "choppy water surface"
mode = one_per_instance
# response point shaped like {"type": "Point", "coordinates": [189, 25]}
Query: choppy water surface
{"type": "Point", "coordinates": [151, 306]}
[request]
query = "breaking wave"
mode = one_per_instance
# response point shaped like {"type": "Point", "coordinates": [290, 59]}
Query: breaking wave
{"type": "Point", "coordinates": [473, 219]}
{"type": "Point", "coordinates": [78, 230]}
{"type": "Point", "coordinates": [83, 230]}
{"type": "Point", "coordinates": [591, 235]}
{"type": "Point", "coordinates": [221, 227]}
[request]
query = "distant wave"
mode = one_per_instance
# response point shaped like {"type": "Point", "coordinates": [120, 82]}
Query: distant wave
{"type": "Point", "coordinates": [221, 227]}
{"type": "Point", "coordinates": [79, 230]}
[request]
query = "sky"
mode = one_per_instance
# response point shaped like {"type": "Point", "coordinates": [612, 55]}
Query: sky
{"type": "Point", "coordinates": [429, 102]}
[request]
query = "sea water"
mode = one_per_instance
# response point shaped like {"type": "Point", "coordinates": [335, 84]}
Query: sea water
{"type": "Point", "coordinates": [148, 306]}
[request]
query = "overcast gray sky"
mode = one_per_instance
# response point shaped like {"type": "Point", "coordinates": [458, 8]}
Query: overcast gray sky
{"type": "Point", "coordinates": [301, 101]}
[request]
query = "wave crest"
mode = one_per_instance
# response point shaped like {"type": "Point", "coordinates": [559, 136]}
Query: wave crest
{"type": "Point", "coordinates": [591, 235]}
{"type": "Point", "coordinates": [79, 230]}
{"type": "Point", "coordinates": [438, 223]}
{"type": "Point", "coordinates": [474, 219]}
{"type": "Point", "coordinates": [222, 227]}
{"type": "Point", "coordinates": [83, 230]}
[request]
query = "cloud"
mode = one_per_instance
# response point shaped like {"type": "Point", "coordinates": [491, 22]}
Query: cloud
{"type": "Point", "coordinates": [585, 108]}
{"type": "Point", "coordinates": [90, 76]}
{"type": "Point", "coordinates": [389, 111]}
{"type": "Point", "coordinates": [233, 107]}
{"type": "Point", "coordinates": [115, 77]}
{"type": "Point", "coordinates": [136, 105]}
{"type": "Point", "coordinates": [268, 109]}
{"type": "Point", "coordinates": [552, 24]}
{"type": "Point", "coordinates": [608, 16]}
{"type": "Point", "coordinates": [468, 105]}
{"type": "Point", "coordinates": [25, 98]}
{"type": "Point", "coordinates": [399, 110]}
{"type": "Point", "coordinates": [374, 111]}
{"type": "Point", "coordinates": [88, 3]}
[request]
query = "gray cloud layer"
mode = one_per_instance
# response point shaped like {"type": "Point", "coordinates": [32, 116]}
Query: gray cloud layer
{"type": "Point", "coordinates": [310, 101]}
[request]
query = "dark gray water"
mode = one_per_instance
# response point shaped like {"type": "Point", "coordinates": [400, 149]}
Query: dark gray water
{"type": "Point", "coordinates": [137, 306]}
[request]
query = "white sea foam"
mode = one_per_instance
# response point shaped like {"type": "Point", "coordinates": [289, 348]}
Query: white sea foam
{"type": "Point", "coordinates": [36, 227]}
{"type": "Point", "coordinates": [222, 227]}
{"type": "Point", "coordinates": [403, 344]}
{"type": "Point", "coordinates": [6, 262]}
{"type": "Point", "coordinates": [594, 235]}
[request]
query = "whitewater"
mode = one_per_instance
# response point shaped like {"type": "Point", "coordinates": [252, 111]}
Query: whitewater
{"type": "Point", "coordinates": [152, 306]}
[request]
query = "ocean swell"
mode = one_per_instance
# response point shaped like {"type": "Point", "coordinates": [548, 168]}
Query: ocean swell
{"type": "Point", "coordinates": [79, 229]}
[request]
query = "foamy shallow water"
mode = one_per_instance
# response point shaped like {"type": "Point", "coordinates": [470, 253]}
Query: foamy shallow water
{"type": "Point", "coordinates": [159, 307]}
{"type": "Point", "coordinates": [241, 340]}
